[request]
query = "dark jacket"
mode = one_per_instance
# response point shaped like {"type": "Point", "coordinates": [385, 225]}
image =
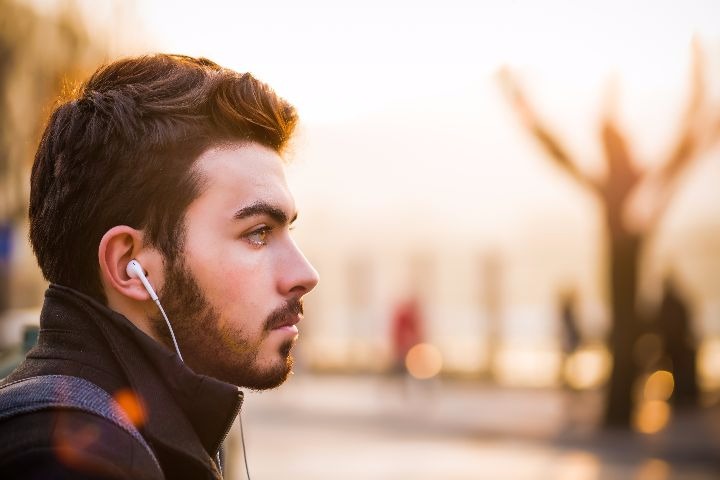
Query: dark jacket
{"type": "Point", "coordinates": [183, 416]}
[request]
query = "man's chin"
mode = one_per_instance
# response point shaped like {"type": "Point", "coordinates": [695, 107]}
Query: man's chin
{"type": "Point", "coordinates": [268, 379]}
{"type": "Point", "coordinates": [255, 372]}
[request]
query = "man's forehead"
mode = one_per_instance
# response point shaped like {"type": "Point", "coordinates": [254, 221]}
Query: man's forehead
{"type": "Point", "coordinates": [241, 175]}
{"type": "Point", "coordinates": [240, 156]}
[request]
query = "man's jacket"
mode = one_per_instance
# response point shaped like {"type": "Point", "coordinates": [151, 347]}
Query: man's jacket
{"type": "Point", "coordinates": [183, 416]}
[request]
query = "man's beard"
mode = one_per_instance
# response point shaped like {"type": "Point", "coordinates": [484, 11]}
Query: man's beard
{"type": "Point", "coordinates": [224, 352]}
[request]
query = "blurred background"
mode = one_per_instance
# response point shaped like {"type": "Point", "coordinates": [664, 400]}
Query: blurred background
{"type": "Point", "coordinates": [513, 207]}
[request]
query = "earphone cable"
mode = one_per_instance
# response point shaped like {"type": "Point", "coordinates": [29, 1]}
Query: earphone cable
{"type": "Point", "coordinates": [242, 440]}
{"type": "Point", "coordinates": [172, 334]}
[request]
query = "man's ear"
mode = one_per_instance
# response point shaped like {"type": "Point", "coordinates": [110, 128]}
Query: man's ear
{"type": "Point", "coordinates": [117, 247]}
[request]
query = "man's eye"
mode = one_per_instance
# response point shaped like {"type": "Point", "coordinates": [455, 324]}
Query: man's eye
{"type": "Point", "coordinates": [258, 237]}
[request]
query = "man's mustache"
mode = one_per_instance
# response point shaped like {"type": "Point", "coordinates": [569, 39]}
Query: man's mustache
{"type": "Point", "coordinates": [279, 317]}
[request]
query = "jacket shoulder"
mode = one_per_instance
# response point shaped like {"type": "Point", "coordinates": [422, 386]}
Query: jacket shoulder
{"type": "Point", "coordinates": [68, 443]}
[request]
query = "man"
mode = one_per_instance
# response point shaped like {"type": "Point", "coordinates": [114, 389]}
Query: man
{"type": "Point", "coordinates": [174, 163]}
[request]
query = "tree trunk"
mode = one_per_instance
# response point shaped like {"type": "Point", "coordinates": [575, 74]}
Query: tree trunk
{"type": "Point", "coordinates": [624, 257]}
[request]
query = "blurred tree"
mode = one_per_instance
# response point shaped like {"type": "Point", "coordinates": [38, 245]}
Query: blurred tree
{"type": "Point", "coordinates": [40, 53]}
{"type": "Point", "coordinates": [633, 200]}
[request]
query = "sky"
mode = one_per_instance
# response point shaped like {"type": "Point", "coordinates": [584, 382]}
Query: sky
{"type": "Point", "coordinates": [340, 60]}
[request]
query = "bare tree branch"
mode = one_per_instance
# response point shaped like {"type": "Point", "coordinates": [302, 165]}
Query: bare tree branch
{"type": "Point", "coordinates": [688, 141]}
{"type": "Point", "coordinates": [697, 135]}
{"type": "Point", "coordinates": [542, 133]}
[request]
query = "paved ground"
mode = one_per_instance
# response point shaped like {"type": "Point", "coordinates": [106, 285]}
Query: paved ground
{"type": "Point", "coordinates": [363, 427]}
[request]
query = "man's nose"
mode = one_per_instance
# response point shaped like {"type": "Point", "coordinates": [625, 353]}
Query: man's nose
{"type": "Point", "coordinates": [298, 276]}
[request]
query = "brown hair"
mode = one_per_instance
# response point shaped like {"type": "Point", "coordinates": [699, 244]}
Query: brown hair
{"type": "Point", "coordinates": [121, 152]}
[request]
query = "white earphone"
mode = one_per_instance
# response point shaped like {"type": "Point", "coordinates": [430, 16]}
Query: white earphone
{"type": "Point", "coordinates": [135, 270]}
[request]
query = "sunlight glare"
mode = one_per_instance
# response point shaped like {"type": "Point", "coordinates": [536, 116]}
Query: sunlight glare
{"type": "Point", "coordinates": [578, 466]}
{"type": "Point", "coordinates": [588, 368]}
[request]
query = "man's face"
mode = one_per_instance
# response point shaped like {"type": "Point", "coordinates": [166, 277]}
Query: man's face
{"type": "Point", "coordinates": [234, 295]}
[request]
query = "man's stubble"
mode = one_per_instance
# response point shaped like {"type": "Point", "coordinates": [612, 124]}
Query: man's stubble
{"type": "Point", "coordinates": [223, 352]}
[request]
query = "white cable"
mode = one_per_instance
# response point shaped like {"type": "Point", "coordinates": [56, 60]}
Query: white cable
{"type": "Point", "coordinates": [242, 439]}
{"type": "Point", "coordinates": [172, 334]}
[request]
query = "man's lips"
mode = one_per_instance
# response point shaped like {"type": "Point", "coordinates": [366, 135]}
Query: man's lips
{"type": "Point", "coordinates": [288, 322]}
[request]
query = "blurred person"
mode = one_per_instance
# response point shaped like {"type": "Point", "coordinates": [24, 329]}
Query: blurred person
{"type": "Point", "coordinates": [407, 331]}
{"type": "Point", "coordinates": [161, 173]}
{"type": "Point", "coordinates": [680, 347]}
{"type": "Point", "coordinates": [575, 407]}
{"type": "Point", "coordinates": [570, 338]}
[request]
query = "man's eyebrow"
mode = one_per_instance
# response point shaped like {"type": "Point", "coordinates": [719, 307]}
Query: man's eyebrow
{"type": "Point", "coordinates": [264, 208]}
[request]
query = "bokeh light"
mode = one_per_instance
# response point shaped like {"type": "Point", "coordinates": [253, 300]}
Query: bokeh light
{"type": "Point", "coordinates": [659, 386]}
{"type": "Point", "coordinates": [527, 367]}
{"type": "Point", "coordinates": [423, 361]}
{"type": "Point", "coordinates": [588, 368]}
{"type": "Point", "coordinates": [131, 406]}
{"type": "Point", "coordinates": [653, 469]}
{"type": "Point", "coordinates": [651, 416]}
{"type": "Point", "coordinates": [707, 362]}
{"type": "Point", "coordinates": [578, 465]}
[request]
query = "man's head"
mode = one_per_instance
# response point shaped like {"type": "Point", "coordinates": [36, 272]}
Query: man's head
{"type": "Point", "coordinates": [176, 161]}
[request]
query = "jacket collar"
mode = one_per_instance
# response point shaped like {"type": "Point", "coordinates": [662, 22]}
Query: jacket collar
{"type": "Point", "coordinates": [182, 407]}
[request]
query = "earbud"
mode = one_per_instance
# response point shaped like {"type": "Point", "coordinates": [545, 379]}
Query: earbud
{"type": "Point", "coordinates": [135, 270]}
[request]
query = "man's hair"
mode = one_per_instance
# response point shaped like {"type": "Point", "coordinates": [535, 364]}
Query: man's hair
{"type": "Point", "coordinates": [121, 151]}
